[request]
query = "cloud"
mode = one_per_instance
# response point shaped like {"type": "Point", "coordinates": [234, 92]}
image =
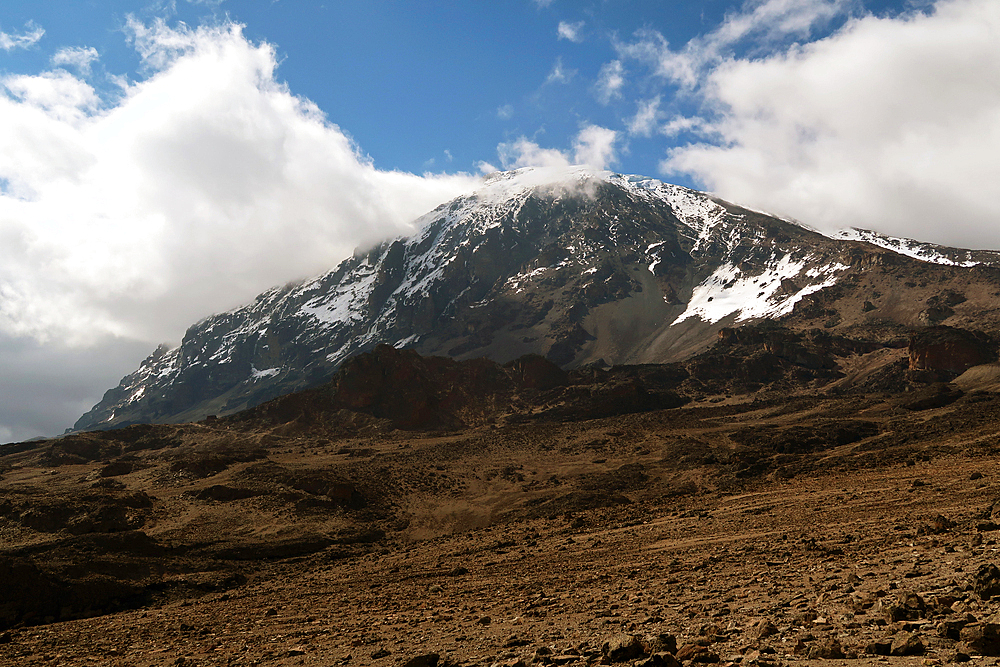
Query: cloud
{"type": "Point", "coordinates": [593, 146]}
{"type": "Point", "coordinates": [888, 123]}
{"type": "Point", "coordinates": [525, 153]}
{"type": "Point", "coordinates": [78, 57]}
{"type": "Point", "coordinates": [646, 118]}
{"type": "Point", "coordinates": [559, 73]}
{"type": "Point", "coordinates": [542, 3]}
{"type": "Point", "coordinates": [195, 189]}
{"type": "Point", "coordinates": [38, 104]}
{"type": "Point", "coordinates": [758, 25]}
{"type": "Point", "coordinates": [610, 81]}
{"type": "Point", "coordinates": [571, 31]}
{"type": "Point", "coordinates": [25, 40]}
{"type": "Point", "coordinates": [505, 112]}
{"type": "Point", "coordinates": [679, 124]}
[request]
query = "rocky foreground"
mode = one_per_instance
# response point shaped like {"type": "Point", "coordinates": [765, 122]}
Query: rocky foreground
{"type": "Point", "coordinates": [848, 519]}
{"type": "Point", "coordinates": [855, 566]}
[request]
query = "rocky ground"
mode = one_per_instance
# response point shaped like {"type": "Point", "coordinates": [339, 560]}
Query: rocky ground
{"type": "Point", "coordinates": [816, 526]}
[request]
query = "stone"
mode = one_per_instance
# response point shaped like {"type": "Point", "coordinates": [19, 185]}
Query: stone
{"type": "Point", "coordinates": [986, 582]}
{"type": "Point", "coordinates": [763, 628]}
{"type": "Point", "coordinates": [981, 638]}
{"type": "Point", "coordinates": [907, 607]}
{"type": "Point", "coordinates": [879, 647]}
{"type": "Point", "coordinates": [906, 643]}
{"type": "Point", "coordinates": [951, 628]}
{"type": "Point", "coordinates": [696, 653]}
{"type": "Point", "coordinates": [512, 662]}
{"type": "Point", "coordinates": [660, 643]}
{"type": "Point", "coordinates": [623, 647]}
{"type": "Point", "coordinates": [662, 659]}
{"type": "Point", "coordinates": [425, 660]}
{"type": "Point", "coordinates": [828, 648]}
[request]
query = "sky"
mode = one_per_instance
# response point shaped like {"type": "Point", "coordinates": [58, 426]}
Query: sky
{"type": "Point", "coordinates": [162, 161]}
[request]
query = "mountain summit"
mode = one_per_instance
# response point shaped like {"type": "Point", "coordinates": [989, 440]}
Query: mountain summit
{"type": "Point", "coordinates": [577, 265]}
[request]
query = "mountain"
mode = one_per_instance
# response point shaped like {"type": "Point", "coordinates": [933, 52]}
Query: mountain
{"type": "Point", "coordinates": [579, 266]}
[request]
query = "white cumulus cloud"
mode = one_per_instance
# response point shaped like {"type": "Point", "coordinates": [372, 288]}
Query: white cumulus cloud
{"type": "Point", "coordinates": [888, 123]}
{"type": "Point", "coordinates": [202, 185]}
{"type": "Point", "coordinates": [593, 146]}
{"type": "Point", "coordinates": [130, 217]}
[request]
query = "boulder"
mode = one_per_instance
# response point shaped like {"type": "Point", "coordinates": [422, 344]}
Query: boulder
{"type": "Point", "coordinates": [986, 582]}
{"type": "Point", "coordinates": [623, 647]}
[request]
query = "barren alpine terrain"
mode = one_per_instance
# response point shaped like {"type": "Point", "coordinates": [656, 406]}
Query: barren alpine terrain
{"type": "Point", "coordinates": [527, 515]}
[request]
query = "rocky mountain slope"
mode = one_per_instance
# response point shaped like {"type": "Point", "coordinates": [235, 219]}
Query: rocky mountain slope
{"type": "Point", "coordinates": [577, 266]}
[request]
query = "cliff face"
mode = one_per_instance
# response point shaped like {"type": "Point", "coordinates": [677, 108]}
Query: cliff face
{"type": "Point", "coordinates": [948, 352]}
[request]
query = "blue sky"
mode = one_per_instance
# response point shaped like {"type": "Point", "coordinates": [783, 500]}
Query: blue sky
{"type": "Point", "coordinates": [430, 86]}
{"type": "Point", "coordinates": [163, 161]}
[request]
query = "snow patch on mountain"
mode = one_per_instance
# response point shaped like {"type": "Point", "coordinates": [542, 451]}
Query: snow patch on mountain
{"type": "Point", "coordinates": [345, 304]}
{"type": "Point", "coordinates": [266, 373]}
{"type": "Point", "coordinates": [925, 252]}
{"type": "Point", "coordinates": [728, 290]}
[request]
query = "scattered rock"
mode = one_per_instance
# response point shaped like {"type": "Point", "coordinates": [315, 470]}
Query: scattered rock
{"type": "Point", "coordinates": [879, 647]}
{"type": "Point", "coordinates": [906, 643]}
{"type": "Point", "coordinates": [697, 653]}
{"type": "Point", "coordinates": [623, 647]}
{"type": "Point", "coordinates": [661, 643]}
{"type": "Point", "coordinates": [986, 582]}
{"type": "Point", "coordinates": [828, 648]}
{"type": "Point", "coordinates": [981, 638]}
{"type": "Point", "coordinates": [425, 660]}
{"type": "Point", "coordinates": [762, 629]}
{"type": "Point", "coordinates": [661, 659]}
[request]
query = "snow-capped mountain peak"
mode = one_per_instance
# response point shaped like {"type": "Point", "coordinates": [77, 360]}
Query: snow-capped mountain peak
{"type": "Point", "coordinates": [576, 264]}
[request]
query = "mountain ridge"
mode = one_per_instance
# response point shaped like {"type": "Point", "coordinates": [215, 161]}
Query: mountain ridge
{"type": "Point", "coordinates": [576, 265]}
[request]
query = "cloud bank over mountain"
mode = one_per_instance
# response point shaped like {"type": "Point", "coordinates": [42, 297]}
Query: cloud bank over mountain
{"type": "Point", "coordinates": [184, 194]}
{"type": "Point", "coordinates": [889, 123]}
{"type": "Point", "coordinates": [126, 217]}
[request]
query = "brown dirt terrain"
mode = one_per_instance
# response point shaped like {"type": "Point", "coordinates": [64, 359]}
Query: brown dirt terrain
{"type": "Point", "coordinates": [810, 501]}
